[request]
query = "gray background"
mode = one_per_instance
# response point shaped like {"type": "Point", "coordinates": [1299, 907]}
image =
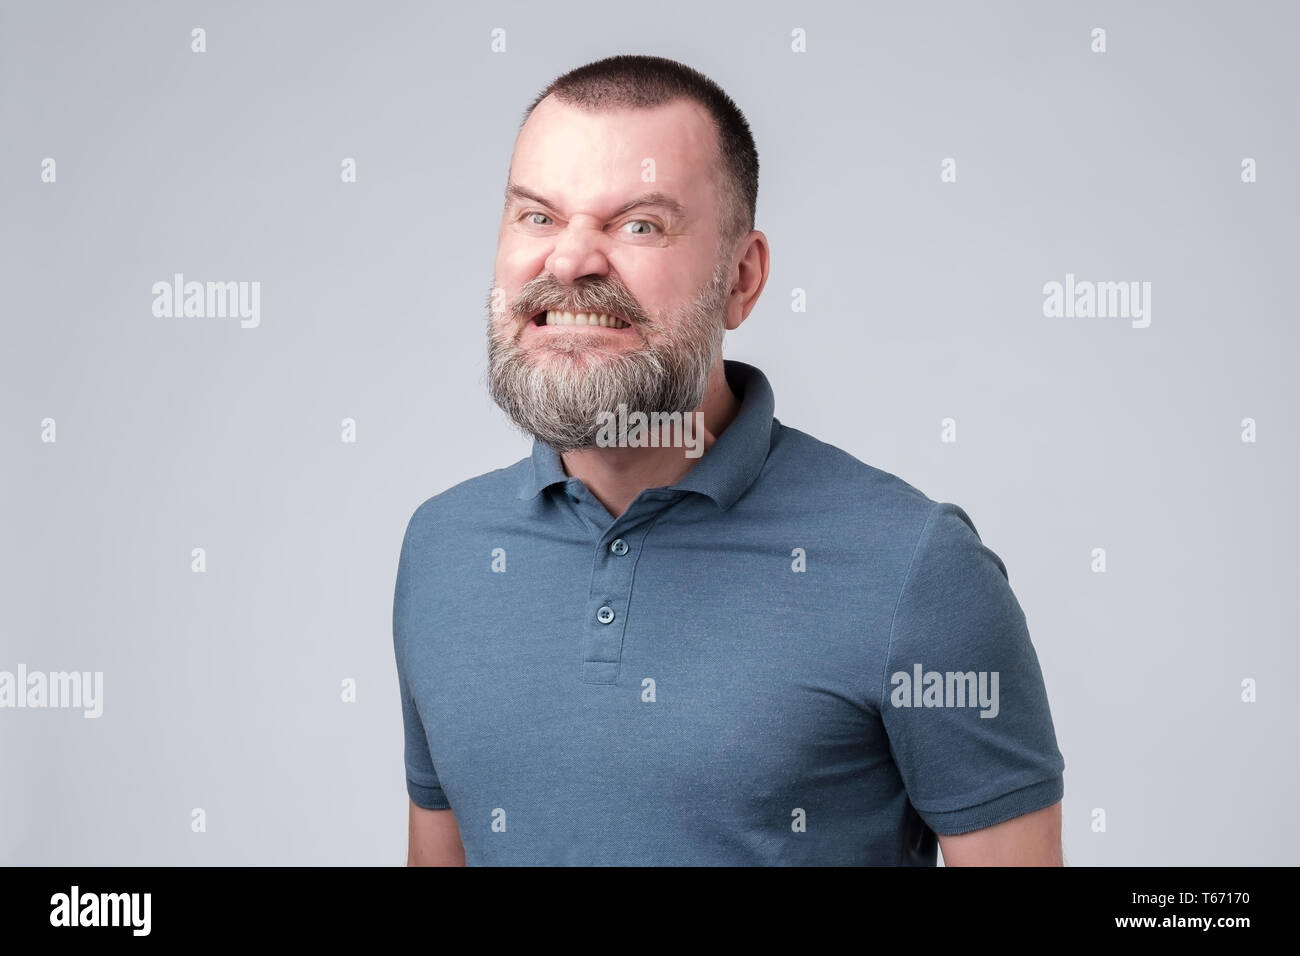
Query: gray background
{"type": "Point", "coordinates": [925, 301]}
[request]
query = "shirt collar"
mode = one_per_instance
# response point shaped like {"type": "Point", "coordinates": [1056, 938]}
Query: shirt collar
{"type": "Point", "coordinates": [724, 472]}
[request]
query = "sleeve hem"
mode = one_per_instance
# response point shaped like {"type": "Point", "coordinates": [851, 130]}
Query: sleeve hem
{"type": "Point", "coordinates": [428, 798]}
{"type": "Point", "coordinates": [998, 810]}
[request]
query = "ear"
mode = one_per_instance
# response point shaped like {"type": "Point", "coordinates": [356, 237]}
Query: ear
{"type": "Point", "coordinates": [749, 277]}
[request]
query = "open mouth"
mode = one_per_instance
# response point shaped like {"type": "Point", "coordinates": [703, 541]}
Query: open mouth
{"type": "Point", "coordinates": [601, 320]}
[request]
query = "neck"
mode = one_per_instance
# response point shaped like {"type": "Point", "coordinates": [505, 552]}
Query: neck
{"type": "Point", "coordinates": [617, 475]}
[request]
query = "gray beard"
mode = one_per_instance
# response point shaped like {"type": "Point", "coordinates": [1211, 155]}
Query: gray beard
{"type": "Point", "coordinates": [559, 402]}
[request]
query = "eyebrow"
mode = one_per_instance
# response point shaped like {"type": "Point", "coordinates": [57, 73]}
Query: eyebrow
{"type": "Point", "coordinates": [515, 192]}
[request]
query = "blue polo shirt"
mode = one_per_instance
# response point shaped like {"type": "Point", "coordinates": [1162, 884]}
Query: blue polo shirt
{"type": "Point", "coordinates": [787, 657]}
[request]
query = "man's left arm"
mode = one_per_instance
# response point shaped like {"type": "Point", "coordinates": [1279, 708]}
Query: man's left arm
{"type": "Point", "coordinates": [1030, 840]}
{"type": "Point", "coordinates": [964, 704]}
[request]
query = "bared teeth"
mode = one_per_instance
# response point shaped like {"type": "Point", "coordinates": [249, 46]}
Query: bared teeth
{"type": "Point", "coordinates": [585, 318]}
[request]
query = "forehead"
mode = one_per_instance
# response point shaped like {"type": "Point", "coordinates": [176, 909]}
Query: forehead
{"type": "Point", "coordinates": [578, 155]}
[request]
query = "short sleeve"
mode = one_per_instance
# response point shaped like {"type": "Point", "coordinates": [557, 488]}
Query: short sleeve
{"type": "Point", "coordinates": [421, 778]}
{"type": "Point", "coordinates": [963, 699]}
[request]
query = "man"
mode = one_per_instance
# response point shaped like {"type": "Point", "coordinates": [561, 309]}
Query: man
{"type": "Point", "coordinates": [716, 639]}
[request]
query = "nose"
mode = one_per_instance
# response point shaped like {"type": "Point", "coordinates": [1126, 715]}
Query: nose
{"type": "Point", "coordinates": [578, 252]}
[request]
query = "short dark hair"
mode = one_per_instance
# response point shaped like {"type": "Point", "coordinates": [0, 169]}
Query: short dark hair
{"type": "Point", "coordinates": [641, 82]}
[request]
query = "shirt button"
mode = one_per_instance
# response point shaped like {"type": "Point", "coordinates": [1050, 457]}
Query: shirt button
{"type": "Point", "coordinates": [618, 546]}
{"type": "Point", "coordinates": [605, 614]}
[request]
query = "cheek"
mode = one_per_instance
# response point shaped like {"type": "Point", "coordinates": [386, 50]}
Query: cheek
{"type": "Point", "coordinates": [520, 254]}
{"type": "Point", "coordinates": [659, 292]}
{"type": "Point", "coordinates": [509, 277]}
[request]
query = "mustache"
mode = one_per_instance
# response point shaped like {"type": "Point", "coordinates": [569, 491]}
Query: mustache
{"type": "Point", "coordinates": [600, 295]}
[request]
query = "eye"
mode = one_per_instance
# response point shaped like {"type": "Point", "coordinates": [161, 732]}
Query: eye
{"type": "Point", "coordinates": [642, 222]}
{"type": "Point", "coordinates": [529, 216]}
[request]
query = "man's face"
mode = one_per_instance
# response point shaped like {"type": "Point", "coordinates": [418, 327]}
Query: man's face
{"type": "Point", "coordinates": [613, 213]}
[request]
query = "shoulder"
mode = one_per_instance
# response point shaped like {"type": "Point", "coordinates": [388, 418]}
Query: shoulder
{"type": "Point", "coordinates": [465, 503]}
{"type": "Point", "coordinates": [822, 479]}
